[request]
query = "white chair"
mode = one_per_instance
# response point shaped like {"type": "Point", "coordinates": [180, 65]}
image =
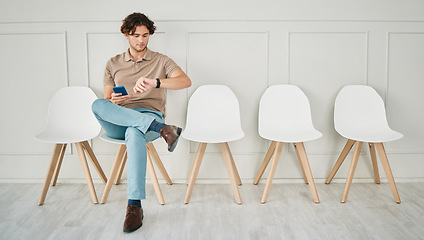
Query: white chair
{"type": "Point", "coordinates": [213, 116]}
{"type": "Point", "coordinates": [70, 120]}
{"type": "Point", "coordinates": [285, 117]}
{"type": "Point", "coordinates": [119, 164]}
{"type": "Point", "coordinates": [360, 116]}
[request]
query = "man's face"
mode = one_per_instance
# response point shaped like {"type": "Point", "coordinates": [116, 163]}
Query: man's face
{"type": "Point", "coordinates": [139, 39]}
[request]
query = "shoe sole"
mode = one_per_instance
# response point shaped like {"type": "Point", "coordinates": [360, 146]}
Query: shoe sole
{"type": "Point", "coordinates": [172, 147]}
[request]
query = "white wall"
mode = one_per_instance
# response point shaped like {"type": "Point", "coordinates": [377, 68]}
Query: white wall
{"type": "Point", "coordinates": [247, 45]}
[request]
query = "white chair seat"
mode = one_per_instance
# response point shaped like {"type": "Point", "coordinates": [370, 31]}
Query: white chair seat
{"type": "Point", "coordinates": [290, 135]}
{"type": "Point", "coordinates": [106, 138]}
{"type": "Point", "coordinates": [372, 135]}
{"type": "Point", "coordinates": [66, 135]}
{"type": "Point", "coordinates": [213, 134]}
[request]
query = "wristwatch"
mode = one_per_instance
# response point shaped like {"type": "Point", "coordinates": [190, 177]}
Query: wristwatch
{"type": "Point", "coordinates": [157, 82]}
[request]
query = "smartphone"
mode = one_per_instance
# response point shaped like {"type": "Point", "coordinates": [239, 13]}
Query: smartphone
{"type": "Point", "coordinates": [120, 89]}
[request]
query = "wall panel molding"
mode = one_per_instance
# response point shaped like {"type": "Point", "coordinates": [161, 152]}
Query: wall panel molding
{"type": "Point", "coordinates": [229, 54]}
{"type": "Point", "coordinates": [321, 63]}
{"type": "Point", "coordinates": [405, 55]}
{"type": "Point", "coordinates": [28, 72]}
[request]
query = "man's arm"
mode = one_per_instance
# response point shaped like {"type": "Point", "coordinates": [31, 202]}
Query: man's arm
{"type": "Point", "coordinates": [108, 90]}
{"type": "Point", "coordinates": [178, 80]}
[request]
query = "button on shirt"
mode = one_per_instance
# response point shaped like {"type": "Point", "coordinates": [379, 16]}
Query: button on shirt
{"type": "Point", "coordinates": [122, 70]}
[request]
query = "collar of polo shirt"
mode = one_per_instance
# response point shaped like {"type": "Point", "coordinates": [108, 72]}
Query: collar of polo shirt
{"type": "Point", "coordinates": [147, 56]}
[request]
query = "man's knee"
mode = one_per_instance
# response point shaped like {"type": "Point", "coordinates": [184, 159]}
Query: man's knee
{"type": "Point", "coordinates": [98, 104]}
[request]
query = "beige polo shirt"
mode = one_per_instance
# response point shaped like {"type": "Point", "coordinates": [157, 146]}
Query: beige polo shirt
{"type": "Point", "coordinates": [122, 70]}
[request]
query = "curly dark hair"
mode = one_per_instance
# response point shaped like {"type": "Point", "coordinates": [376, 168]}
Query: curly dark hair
{"type": "Point", "coordinates": [130, 23]}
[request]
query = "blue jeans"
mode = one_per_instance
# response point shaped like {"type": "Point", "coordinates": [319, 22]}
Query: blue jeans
{"type": "Point", "coordinates": [130, 124]}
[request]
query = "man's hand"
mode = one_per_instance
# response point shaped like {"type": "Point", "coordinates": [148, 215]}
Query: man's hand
{"type": "Point", "coordinates": [144, 85]}
{"type": "Point", "coordinates": [117, 98]}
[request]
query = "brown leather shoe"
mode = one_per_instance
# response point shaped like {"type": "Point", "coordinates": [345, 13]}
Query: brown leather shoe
{"type": "Point", "coordinates": [171, 134]}
{"type": "Point", "coordinates": [133, 219]}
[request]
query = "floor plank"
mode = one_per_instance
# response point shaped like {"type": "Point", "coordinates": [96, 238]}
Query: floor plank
{"type": "Point", "coordinates": [290, 213]}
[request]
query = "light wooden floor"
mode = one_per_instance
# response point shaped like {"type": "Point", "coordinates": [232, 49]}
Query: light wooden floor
{"type": "Point", "coordinates": [290, 213]}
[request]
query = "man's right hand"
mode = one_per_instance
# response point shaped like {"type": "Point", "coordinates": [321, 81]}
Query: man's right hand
{"type": "Point", "coordinates": [117, 98]}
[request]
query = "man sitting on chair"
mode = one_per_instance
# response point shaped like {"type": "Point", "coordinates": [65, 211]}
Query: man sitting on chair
{"type": "Point", "coordinates": [138, 117]}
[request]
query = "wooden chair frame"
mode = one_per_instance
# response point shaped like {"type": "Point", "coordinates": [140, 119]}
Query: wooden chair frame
{"type": "Point", "coordinates": [83, 148]}
{"type": "Point", "coordinates": [274, 152]}
{"type": "Point", "coordinates": [384, 161]}
{"type": "Point", "coordinates": [229, 164]}
{"type": "Point", "coordinates": [119, 164]}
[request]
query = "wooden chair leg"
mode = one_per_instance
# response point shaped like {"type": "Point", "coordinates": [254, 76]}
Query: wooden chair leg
{"type": "Point", "coordinates": [300, 162]}
{"type": "Point", "coordinates": [340, 160]}
{"type": "Point", "coordinates": [59, 164]}
{"type": "Point", "coordinates": [122, 153]}
{"type": "Point", "coordinates": [192, 167]}
{"type": "Point", "coordinates": [265, 162]}
{"type": "Point", "coordinates": [50, 171]}
{"type": "Point", "coordinates": [230, 170]}
{"type": "Point", "coordinates": [154, 179]}
{"type": "Point", "coordinates": [87, 174]}
{"type": "Point", "coordinates": [274, 163]}
{"type": "Point", "coordinates": [233, 164]}
{"type": "Point", "coordinates": [387, 170]}
{"type": "Point", "coordinates": [112, 175]}
{"type": "Point", "coordinates": [195, 170]}
{"type": "Point", "coordinates": [374, 162]}
{"type": "Point", "coordinates": [307, 170]}
{"type": "Point", "coordinates": [349, 178]}
{"type": "Point", "coordinates": [190, 174]}
{"type": "Point", "coordinates": [94, 161]}
{"type": "Point", "coordinates": [152, 150]}
{"type": "Point", "coordinates": [191, 171]}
